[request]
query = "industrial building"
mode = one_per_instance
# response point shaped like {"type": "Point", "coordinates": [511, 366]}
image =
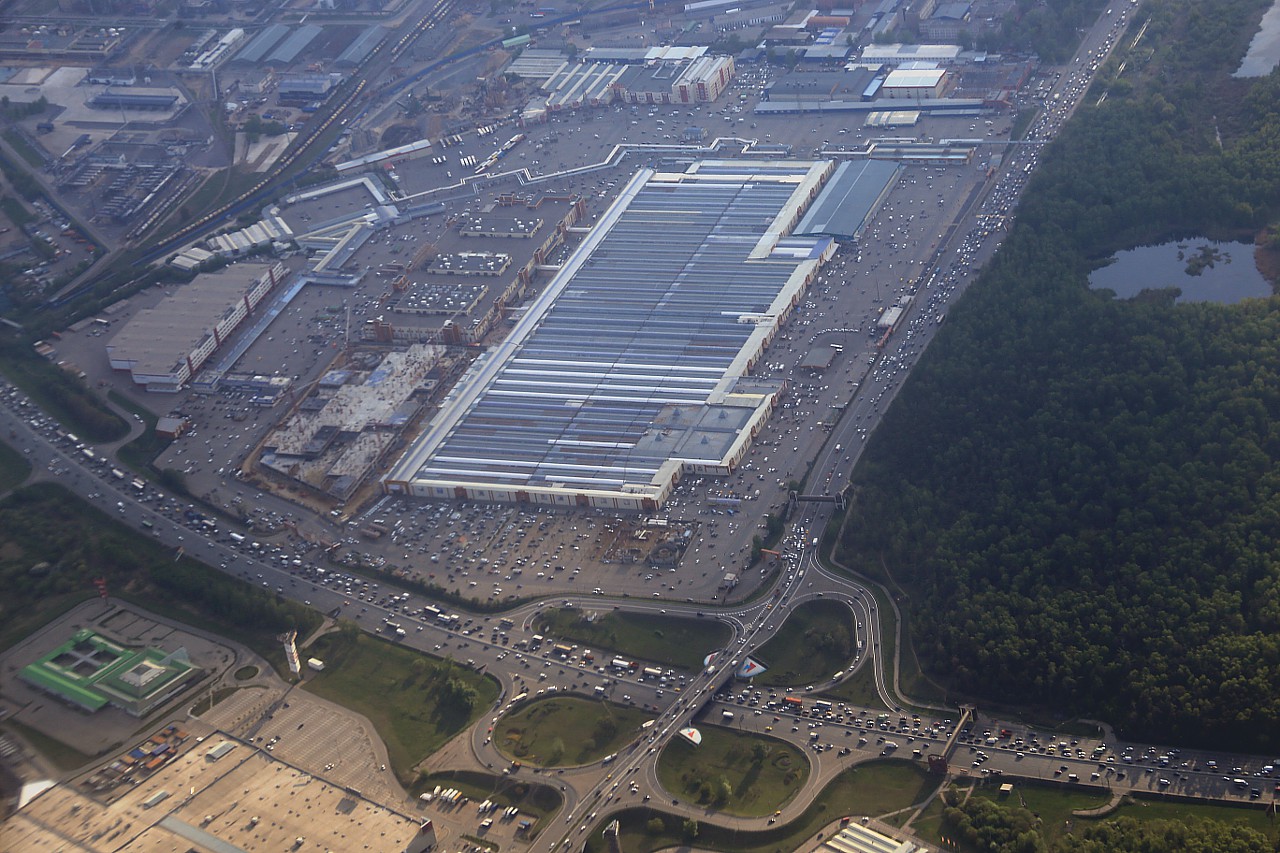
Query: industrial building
{"type": "Point", "coordinates": [259, 45]}
{"type": "Point", "coordinates": [586, 84]}
{"type": "Point", "coordinates": [854, 192]}
{"type": "Point", "coordinates": [893, 118]}
{"type": "Point", "coordinates": [66, 42]}
{"type": "Point", "coordinates": [538, 64]}
{"type": "Point", "coordinates": [217, 53]}
{"type": "Point", "coordinates": [135, 99]}
{"type": "Point", "coordinates": [386, 157]}
{"type": "Point", "coordinates": [432, 304]}
{"type": "Point", "coordinates": [259, 235]}
{"type": "Point", "coordinates": [289, 49]}
{"type": "Point", "coordinates": [821, 86]}
{"type": "Point", "coordinates": [303, 88]}
{"type": "Point", "coordinates": [948, 21]}
{"type": "Point", "coordinates": [699, 81]}
{"type": "Point", "coordinates": [914, 84]}
{"type": "Point", "coordinates": [855, 838]}
{"type": "Point", "coordinates": [633, 364]}
{"type": "Point", "coordinates": [361, 47]}
{"type": "Point", "coordinates": [897, 54]}
{"type": "Point", "coordinates": [90, 672]}
{"type": "Point", "coordinates": [219, 798]}
{"type": "Point", "coordinates": [163, 347]}
{"type": "Point", "coordinates": [667, 76]}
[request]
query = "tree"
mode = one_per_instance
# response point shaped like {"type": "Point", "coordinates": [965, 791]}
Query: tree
{"type": "Point", "coordinates": [655, 826]}
{"type": "Point", "coordinates": [1090, 457]}
{"type": "Point", "coordinates": [690, 829]}
{"type": "Point", "coordinates": [459, 695]}
{"type": "Point", "coordinates": [723, 791]}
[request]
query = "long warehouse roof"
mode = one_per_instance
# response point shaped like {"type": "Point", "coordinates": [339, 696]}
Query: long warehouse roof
{"type": "Point", "coordinates": [634, 360]}
{"type": "Point", "coordinates": [849, 198]}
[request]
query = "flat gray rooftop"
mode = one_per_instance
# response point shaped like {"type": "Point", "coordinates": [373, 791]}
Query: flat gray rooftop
{"type": "Point", "coordinates": [629, 365]}
{"type": "Point", "coordinates": [849, 198]}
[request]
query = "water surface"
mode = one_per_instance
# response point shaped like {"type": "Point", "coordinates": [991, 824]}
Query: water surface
{"type": "Point", "coordinates": [1203, 270]}
{"type": "Point", "coordinates": [1264, 50]}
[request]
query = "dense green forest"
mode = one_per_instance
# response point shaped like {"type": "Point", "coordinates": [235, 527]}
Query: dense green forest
{"type": "Point", "coordinates": [1079, 497]}
{"type": "Point", "coordinates": [1048, 30]}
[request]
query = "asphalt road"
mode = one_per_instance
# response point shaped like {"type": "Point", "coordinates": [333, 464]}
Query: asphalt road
{"type": "Point", "coordinates": [935, 281]}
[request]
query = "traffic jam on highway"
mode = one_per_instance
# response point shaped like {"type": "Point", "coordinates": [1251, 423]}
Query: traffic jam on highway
{"type": "Point", "coordinates": [506, 646]}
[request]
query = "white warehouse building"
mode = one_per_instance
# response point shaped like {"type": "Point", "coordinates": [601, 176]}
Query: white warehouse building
{"type": "Point", "coordinates": [164, 346]}
{"type": "Point", "coordinates": [914, 84]}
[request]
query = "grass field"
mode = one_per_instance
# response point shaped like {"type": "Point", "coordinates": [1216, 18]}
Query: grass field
{"type": "Point", "coordinates": [870, 789]}
{"type": "Point", "coordinates": [762, 773]}
{"type": "Point", "coordinates": [859, 688]}
{"type": "Point", "coordinates": [14, 209]}
{"type": "Point", "coordinates": [1252, 816]}
{"type": "Point", "coordinates": [413, 700]}
{"type": "Point", "coordinates": [138, 454]}
{"type": "Point", "coordinates": [28, 616]}
{"type": "Point", "coordinates": [536, 802]}
{"type": "Point", "coordinates": [929, 825]}
{"type": "Point", "coordinates": [669, 640]}
{"type": "Point", "coordinates": [813, 644]}
{"type": "Point", "coordinates": [206, 701]}
{"type": "Point", "coordinates": [567, 730]}
{"type": "Point", "coordinates": [14, 467]}
{"type": "Point", "coordinates": [24, 148]}
{"type": "Point", "coordinates": [1054, 804]}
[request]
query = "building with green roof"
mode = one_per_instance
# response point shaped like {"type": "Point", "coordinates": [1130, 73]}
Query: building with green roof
{"type": "Point", "coordinates": [90, 671]}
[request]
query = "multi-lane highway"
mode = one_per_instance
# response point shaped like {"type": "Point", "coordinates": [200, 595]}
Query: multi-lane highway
{"type": "Point", "coordinates": [593, 790]}
{"type": "Point", "coordinates": [833, 737]}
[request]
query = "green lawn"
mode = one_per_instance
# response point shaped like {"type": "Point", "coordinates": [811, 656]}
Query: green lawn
{"type": "Point", "coordinates": [929, 825]}
{"type": "Point", "coordinates": [14, 467]}
{"type": "Point", "coordinates": [205, 703]}
{"type": "Point", "coordinates": [415, 701]}
{"type": "Point", "coordinates": [567, 730]}
{"type": "Point", "coordinates": [869, 789]}
{"type": "Point", "coordinates": [670, 640]}
{"type": "Point", "coordinates": [536, 802]}
{"type": "Point", "coordinates": [14, 209]}
{"type": "Point", "coordinates": [1053, 805]}
{"type": "Point", "coordinates": [813, 644]}
{"type": "Point", "coordinates": [734, 772]}
{"type": "Point", "coordinates": [859, 688]}
{"type": "Point", "coordinates": [138, 454]}
{"type": "Point", "coordinates": [24, 148]}
{"type": "Point", "coordinates": [1252, 816]}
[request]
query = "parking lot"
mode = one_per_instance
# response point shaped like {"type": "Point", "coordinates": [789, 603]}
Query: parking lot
{"type": "Point", "coordinates": [496, 552]}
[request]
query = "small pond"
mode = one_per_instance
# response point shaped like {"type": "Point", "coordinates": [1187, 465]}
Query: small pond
{"type": "Point", "coordinates": [1264, 50]}
{"type": "Point", "coordinates": [1203, 270]}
